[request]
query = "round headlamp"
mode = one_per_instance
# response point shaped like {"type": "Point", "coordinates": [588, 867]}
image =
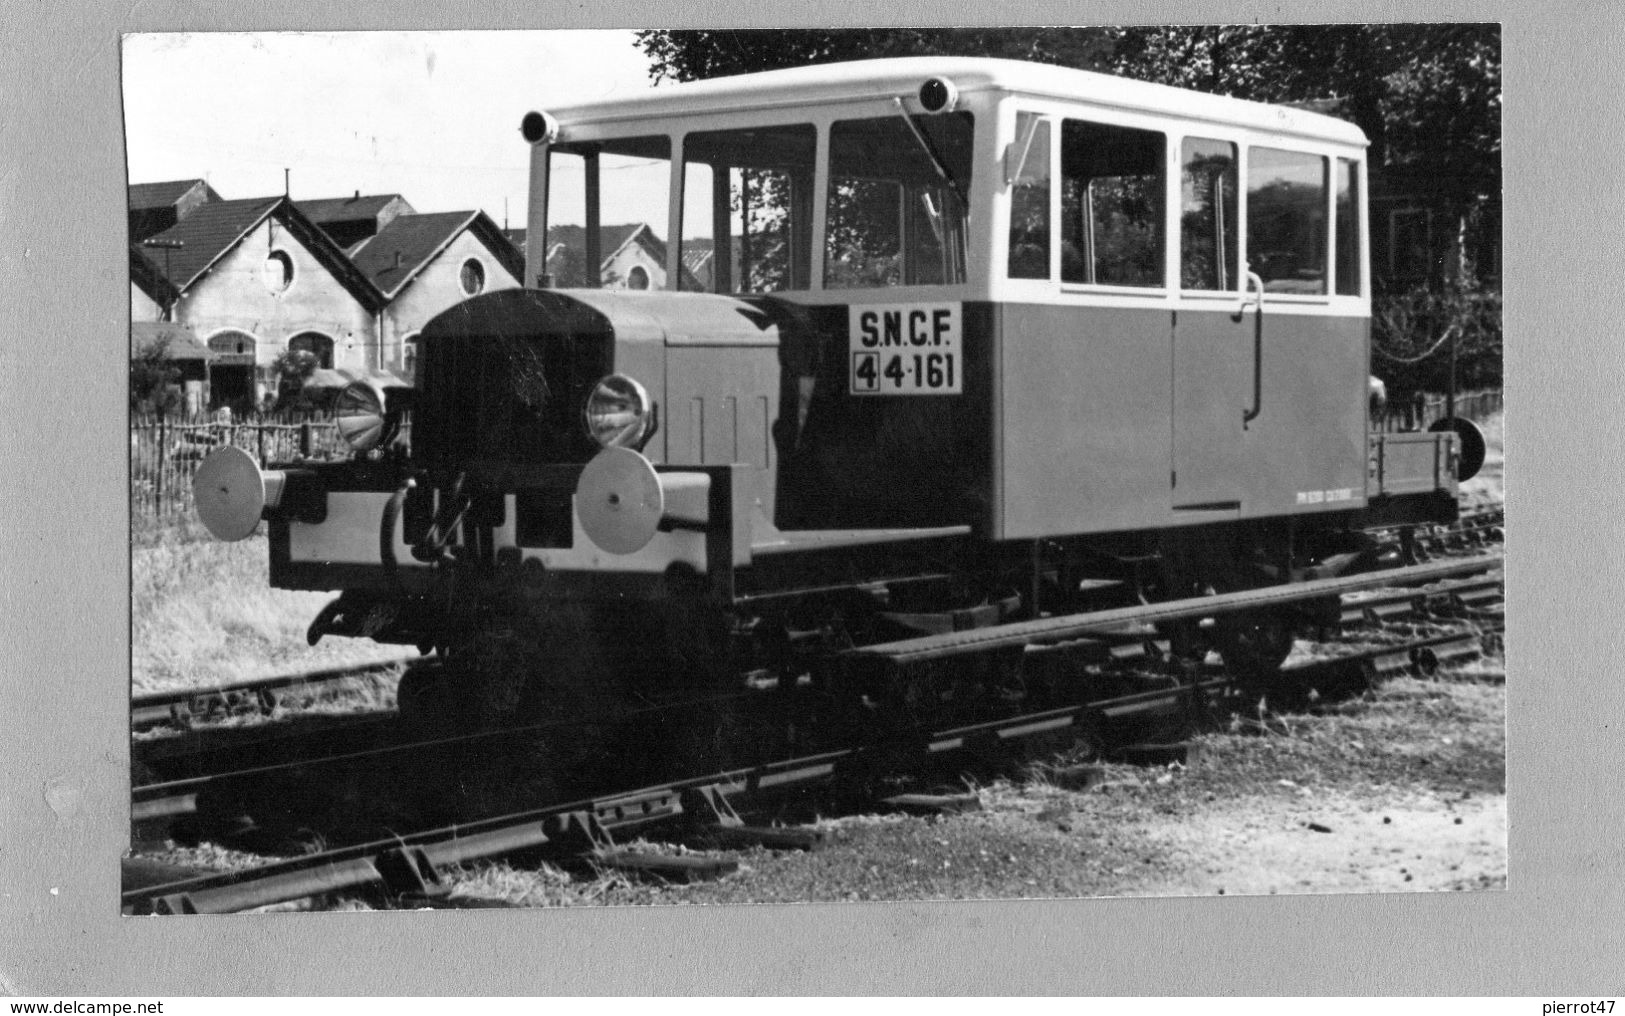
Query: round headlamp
{"type": "Point", "coordinates": [938, 95]}
{"type": "Point", "coordinates": [619, 413]}
{"type": "Point", "coordinates": [362, 420]}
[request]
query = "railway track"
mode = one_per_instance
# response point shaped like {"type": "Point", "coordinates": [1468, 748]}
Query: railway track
{"type": "Point", "coordinates": [408, 867]}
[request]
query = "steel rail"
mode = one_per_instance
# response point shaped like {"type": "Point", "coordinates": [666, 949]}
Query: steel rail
{"type": "Point", "coordinates": [410, 864]}
{"type": "Point", "coordinates": [157, 708]}
{"type": "Point", "coordinates": [1051, 629]}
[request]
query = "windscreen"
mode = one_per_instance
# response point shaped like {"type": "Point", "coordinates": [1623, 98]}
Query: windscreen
{"type": "Point", "coordinates": [897, 213]}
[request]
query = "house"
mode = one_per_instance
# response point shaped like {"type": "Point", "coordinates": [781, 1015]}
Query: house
{"type": "Point", "coordinates": [189, 357]}
{"type": "Point", "coordinates": [253, 279]}
{"type": "Point", "coordinates": [423, 263]}
{"type": "Point", "coordinates": [351, 220]}
{"type": "Point", "coordinates": [631, 256]}
{"type": "Point", "coordinates": [1420, 234]}
{"type": "Point", "coordinates": [154, 207]}
{"type": "Point", "coordinates": [151, 294]}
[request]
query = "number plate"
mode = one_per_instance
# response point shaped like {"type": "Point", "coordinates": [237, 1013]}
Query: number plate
{"type": "Point", "coordinates": [905, 349]}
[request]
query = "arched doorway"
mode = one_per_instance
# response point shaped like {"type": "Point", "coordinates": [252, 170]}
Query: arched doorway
{"type": "Point", "coordinates": [231, 370]}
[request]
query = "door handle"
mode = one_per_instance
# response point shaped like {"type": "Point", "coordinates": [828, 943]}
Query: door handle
{"type": "Point", "coordinates": [1255, 284]}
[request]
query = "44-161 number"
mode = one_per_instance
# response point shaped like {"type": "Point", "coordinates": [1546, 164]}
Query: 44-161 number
{"type": "Point", "coordinates": [904, 373]}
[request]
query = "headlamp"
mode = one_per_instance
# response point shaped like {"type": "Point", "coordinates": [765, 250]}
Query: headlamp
{"type": "Point", "coordinates": [619, 413]}
{"type": "Point", "coordinates": [363, 422]}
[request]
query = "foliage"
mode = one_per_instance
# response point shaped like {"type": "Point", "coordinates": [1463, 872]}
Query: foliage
{"type": "Point", "coordinates": [1412, 332]}
{"type": "Point", "coordinates": [692, 55]}
{"type": "Point", "coordinates": [1427, 95]}
{"type": "Point", "coordinates": [292, 368]}
{"type": "Point", "coordinates": [153, 377]}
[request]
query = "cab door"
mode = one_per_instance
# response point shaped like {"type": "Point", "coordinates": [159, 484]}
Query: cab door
{"type": "Point", "coordinates": [1214, 334]}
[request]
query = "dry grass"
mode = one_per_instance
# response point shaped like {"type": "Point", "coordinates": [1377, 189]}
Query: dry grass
{"type": "Point", "coordinates": [203, 613]}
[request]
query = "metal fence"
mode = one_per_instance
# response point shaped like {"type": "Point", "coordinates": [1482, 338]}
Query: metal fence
{"type": "Point", "coordinates": [165, 453]}
{"type": "Point", "coordinates": [1422, 409]}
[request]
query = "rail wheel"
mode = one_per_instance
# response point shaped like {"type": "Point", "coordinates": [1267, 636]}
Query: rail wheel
{"type": "Point", "coordinates": [1254, 644]}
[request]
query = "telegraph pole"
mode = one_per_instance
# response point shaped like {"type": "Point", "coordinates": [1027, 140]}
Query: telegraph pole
{"type": "Point", "coordinates": [174, 290]}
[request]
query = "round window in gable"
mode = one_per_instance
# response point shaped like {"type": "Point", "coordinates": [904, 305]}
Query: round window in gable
{"type": "Point", "coordinates": [637, 278]}
{"type": "Point", "coordinates": [473, 276]}
{"type": "Point", "coordinates": [278, 271]}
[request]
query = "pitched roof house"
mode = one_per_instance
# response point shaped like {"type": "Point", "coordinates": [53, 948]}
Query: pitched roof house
{"type": "Point", "coordinates": [154, 207]}
{"type": "Point", "coordinates": [423, 263]}
{"type": "Point", "coordinates": [351, 220]}
{"type": "Point", "coordinates": [631, 257]}
{"type": "Point", "coordinates": [254, 278]}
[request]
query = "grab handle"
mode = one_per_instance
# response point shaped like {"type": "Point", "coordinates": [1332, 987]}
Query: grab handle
{"type": "Point", "coordinates": [1255, 283]}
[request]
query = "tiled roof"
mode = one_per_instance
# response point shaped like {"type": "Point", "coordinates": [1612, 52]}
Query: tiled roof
{"type": "Point", "coordinates": [613, 237]}
{"type": "Point", "coordinates": [361, 206]}
{"type": "Point", "coordinates": [210, 231]}
{"type": "Point", "coordinates": [162, 195]}
{"type": "Point", "coordinates": [183, 343]}
{"type": "Point", "coordinates": [149, 278]}
{"type": "Point", "coordinates": [217, 226]}
{"type": "Point", "coordinates": [401, 249]}
{"type": "Point", "coordinates": [418, 238]}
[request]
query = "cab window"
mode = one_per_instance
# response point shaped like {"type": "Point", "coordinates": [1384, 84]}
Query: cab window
{"type": "Point", "coordinates": [607, 207]}
{"type": "Point", "coordinates": [1207, 215]}
{"type": "Point", "coordinates": [1349, 261]}
{"type": "Point", "coordinates": [747, 209]}
{"type": "Point", "coordinates": [897, 201]}
{"type": "Point", "coordinates": [1029, 199]}
{"type": "Point", "coordinates": [1286, 220]}
{"type": "Point", "coordinates": [1111, 204]}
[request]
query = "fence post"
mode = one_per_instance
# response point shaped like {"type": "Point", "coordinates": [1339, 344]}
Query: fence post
{"type": "Point", "coordinates": [306, 440]}
{"type": "Point", "coordinates": [163, 454]}
{"type": "Point", "coordinates": [259, 432]}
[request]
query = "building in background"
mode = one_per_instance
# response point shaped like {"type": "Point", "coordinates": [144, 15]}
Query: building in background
{"type": "Point", "coordinates": [154, 207]}
{"type": "Point", "coordinates": [352, 220]}
{"type": "Point", "coordinates": [423, 263]}
{"type": "Point", "coordinates": [253, 279]}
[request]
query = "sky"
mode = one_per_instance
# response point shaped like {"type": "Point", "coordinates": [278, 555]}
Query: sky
{"type": "Point", "coordinates": [433, 116]}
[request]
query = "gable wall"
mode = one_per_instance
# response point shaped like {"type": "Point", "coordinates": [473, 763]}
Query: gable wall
{"type": "Point", "coordinates": [437, 287]}
{"type": "Point", "coordinates": [234, 295]}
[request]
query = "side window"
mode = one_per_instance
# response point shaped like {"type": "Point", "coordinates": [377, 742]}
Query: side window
{"type": "Point", "coordinates": [1029, 199]}
{"type": "Point", "coordinates": [1207, 215]}
{"type": "Point", "coordinates": [1111, 204]}
{"type": "Point", "coordinates": [1286, 220]}
{"type": "Point", "coordinates": [1350, 265]}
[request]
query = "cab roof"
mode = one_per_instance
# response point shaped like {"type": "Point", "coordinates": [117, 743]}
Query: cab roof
{"type": "Point", "coordinates": [801, 87]}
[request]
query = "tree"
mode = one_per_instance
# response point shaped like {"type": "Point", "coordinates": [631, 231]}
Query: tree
{"type": "Point", "coordinates": [292, 368]}
{"type": "Point", "coordinates": [693, 55]}
{"type": "Point", "coordinates": [153, 377]}
{"type": "Point", "coordinates": [1427, 95]}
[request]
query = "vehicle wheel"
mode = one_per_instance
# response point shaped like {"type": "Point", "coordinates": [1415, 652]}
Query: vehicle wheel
{"type": "Point", "coordinates": [1253, 645]}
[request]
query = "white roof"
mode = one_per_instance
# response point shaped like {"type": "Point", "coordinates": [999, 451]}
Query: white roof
{"type": "Point", "coordinates": [870, 79]}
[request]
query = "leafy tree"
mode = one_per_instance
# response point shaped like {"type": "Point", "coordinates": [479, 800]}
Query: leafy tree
{"type": "Point", "coordinates": [292, 368]}
{"type": "Point", "coordinates": [1427, 96]}
{"type": "Point", "coordinates": [153, 377]}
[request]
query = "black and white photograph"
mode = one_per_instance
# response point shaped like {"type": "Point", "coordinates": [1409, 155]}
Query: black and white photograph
{"type": "Point", "coordinates": [679, 467]}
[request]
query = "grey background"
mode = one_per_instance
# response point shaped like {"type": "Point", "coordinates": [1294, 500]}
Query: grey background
{"type": "Point", "coordinates": [64, 605]}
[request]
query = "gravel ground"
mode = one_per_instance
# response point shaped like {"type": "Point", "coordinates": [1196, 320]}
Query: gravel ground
{"type": "Point", "coordinates": [1402, 789]}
